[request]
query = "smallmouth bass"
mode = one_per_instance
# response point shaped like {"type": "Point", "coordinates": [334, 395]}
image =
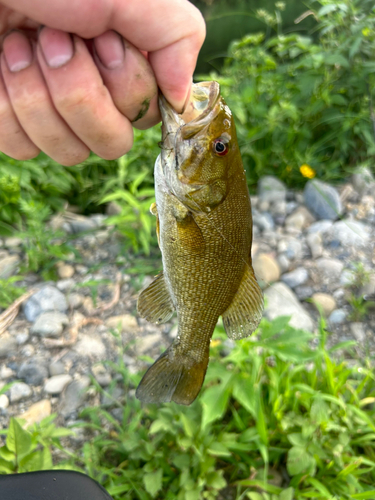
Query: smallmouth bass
{"type": "Point", "coordinates": [204, 229]}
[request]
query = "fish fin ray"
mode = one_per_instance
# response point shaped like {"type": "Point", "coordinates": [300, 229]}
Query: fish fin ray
{"type": "Point", "coordinates": [245, 312]}
{"type": "Point", "coordinates": [155, 302]}
{"type": "Point", "coordinates": [173, 377]}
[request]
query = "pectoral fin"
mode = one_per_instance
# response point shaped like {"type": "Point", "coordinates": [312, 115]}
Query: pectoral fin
{"type": "Point", "coordinates": [190, 235]}
{"type": "Point", "coordinates": [155, 303]}
{"type": "Point", "coordinates": [245, 312]}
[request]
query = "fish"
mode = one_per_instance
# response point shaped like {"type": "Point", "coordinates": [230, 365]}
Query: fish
{"type": "Point", "coordinates": [204, 229]}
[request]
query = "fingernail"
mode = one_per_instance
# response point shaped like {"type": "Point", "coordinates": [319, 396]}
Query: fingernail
{"type": "Point", "coordinates": [17, 51]}
{"type": "Point", "coordinates": [109, 48]}
{"type": "Point", "coordinates": [57, 47]}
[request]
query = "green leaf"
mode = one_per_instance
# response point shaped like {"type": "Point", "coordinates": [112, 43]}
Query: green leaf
{"type": "Point", "coordinates": [219, 450]}
{"type": "Point", "coordinates": [320, 487]}
{"type": "Point", "coordinates": [243, 392]}
{"type": "Point", "coordinates": [18, 440]}
{"type": "Point", "coordinates": [327, 9]}
{"type": "Point", "coordinates": [366, 495]}
{"type": "Point", "coordinates": [153, 481]}
{"type": "Point", "coordinates": [214, 403]}
{"type": "Point", "coordinates": [299, 460]}
{"type": "Point", "coordinates": [319, 411]}
{"type": "Point", "coordinates": [287, 494]}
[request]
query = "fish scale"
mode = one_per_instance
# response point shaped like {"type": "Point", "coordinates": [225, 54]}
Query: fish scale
{"type": "Point", "coordinates": [204, 226]}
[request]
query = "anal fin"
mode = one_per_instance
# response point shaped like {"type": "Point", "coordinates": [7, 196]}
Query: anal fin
{"type": "Point", "coordinates": [155, 303]}
{"type": "Point", "coordinates": [245, 312]}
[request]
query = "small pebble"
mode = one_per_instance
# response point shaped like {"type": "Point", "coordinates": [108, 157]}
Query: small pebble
{"type": "Point", "coordinates": [56, 384]}
{"type": "Point", "coordinates": [18, 391]}
{"type": "Point", "coordinates": [337, 317]}
{"type": "Point", "coordinates": [325, 301]}
{"type": "Point", "coordinates": [65, 272]}
{"type": "Point", "coordinates": [295, 278]}
{"type": "Point", "coordinates": [4, 401]}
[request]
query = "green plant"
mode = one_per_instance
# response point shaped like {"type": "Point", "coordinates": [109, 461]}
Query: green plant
{"type": "Point", "coordinates": [276, 420]}
{"type": "Point", "coordinates": [9, 292]}
{"type": "Point", "coordinates": [29, 450]}
{"type": "Point", "coordinates": [134, 220]}
{"type": "Point", "coordinates": [42, 245]}
{"type": "Point", "coordinates": [304, 102]}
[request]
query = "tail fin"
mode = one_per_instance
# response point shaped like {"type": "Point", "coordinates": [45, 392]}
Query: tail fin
{"type": "Point", "coordinates": [173, 377]}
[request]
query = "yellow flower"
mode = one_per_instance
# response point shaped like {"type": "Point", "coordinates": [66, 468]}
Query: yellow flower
{"type": "Point", "coordinates": [215, 342]}
{"type": "Point", "coordinates": [307, 171]}
{"type": "Point", "coordinates": [366, 32]}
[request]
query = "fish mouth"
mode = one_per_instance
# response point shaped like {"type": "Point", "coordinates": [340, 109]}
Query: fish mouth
{"type": "Point", "coordinates": [199, 112]}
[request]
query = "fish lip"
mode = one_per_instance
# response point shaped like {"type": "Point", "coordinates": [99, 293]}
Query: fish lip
{"type": "Point", "coordinates": [174, 121]}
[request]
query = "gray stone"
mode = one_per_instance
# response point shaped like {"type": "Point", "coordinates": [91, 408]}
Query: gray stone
{"type": "Point", "coordinates": [50, 324]}
{"type": "Point", "coordinates": [284, 262]}
{"type": "Point", "coordinates": [337, 317]}
{"type": "Point", "coordinates": [8, 344]}
{"type": "Point", "coordinates": [264, 221]}
{"type": "Point", "coordinates": [74, 396]}
{"type": "Point", "coordinates": [303, 292]}
{"type": "Point", "coordinates": [363, 180]}
{"type": "Point", "coordinates": [350, 233]}
{"type": "Point", "coordinates": [295, 278]}
{"type": "Point", "coordinates": [291, 247]}
{"type": "Point", "coordinates": [320, 227]}
{"type": "Point", "coordinates": [148, 342]}
{"type": "Point", "coordinates": [66, 285]}
{"type": "Point", "coordinates": [81, 224]}
{"type": "Point", "coordinates": [281, 301]}
{"type": "Point", "coordinates": [314, 241]}
{"type": "Point", "coordinates": [329, 268]}
{"type": "Point", "coordinates": [56, 384]}
{"type": "Point", "coordinates": [90, 346]}
{"type": "Point", "coordinates": [358, 332]}
{"type": "Point", "coordinates": [271, 189]}
{"type": "Point", "coordinates": [18, 391]}
{"type": "Point", "coordinates": [56, 368]}
{"type": "Point", "coordinates": [109, 399]}
{"type": "Point", "coordinates": [32, 372]}
{"type": "Point", "coordinates": [22, 337]}
{"type": "Point", "coordinates": [299, 219]}
{"type": "Point", "coordinates": [322, 200]}
{"type": "Point", "coordinates": [46, 299]}
{"type": "Point", "coordinates": [99, 220]}
{"type": "Point", "coordinates": [101, 375]}
{"type": "Point", "coordinates": [8, 266]}
{"type": "Point", "coordinates": [75, 300]}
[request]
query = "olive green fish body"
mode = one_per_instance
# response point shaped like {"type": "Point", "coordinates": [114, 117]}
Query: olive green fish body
{"type": "Point", "coordinates": [205, 232]}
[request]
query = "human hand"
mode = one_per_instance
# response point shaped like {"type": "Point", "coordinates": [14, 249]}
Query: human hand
{"type": "Point", "coordinates": [68, 94]}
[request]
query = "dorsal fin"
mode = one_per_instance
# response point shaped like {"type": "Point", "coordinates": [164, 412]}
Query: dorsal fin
{"type": "Point", "coordinates": [245, 312]}
{"type": "Point", "coordinates": [155, 302]}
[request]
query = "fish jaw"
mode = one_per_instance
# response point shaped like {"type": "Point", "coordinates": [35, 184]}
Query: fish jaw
{"type": "Point", "coordinates": [190, 167]}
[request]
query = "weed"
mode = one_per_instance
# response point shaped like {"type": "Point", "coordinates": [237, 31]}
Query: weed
{"type": "Point", "coordinates": [276, 420]}
{"type": "Point", "coordinates": [9, 291]}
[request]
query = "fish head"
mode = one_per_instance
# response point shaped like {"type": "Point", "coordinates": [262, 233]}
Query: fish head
{"type": "Point", "coordinates": [199, 148]}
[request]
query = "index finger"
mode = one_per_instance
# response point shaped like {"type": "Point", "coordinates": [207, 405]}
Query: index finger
{"type": "Point", "coordinates": [171, 31]}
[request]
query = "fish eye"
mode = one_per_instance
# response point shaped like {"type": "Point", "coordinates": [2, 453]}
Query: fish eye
{"type": "Point", "coordinates": [220, 147]}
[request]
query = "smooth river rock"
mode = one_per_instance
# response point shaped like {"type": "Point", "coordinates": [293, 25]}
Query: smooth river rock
{"type": "Point", "coordinates": [281, 301]}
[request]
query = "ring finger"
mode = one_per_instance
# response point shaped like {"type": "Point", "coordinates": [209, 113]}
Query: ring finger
{"type": "Point", "coordinates": [32, 103]}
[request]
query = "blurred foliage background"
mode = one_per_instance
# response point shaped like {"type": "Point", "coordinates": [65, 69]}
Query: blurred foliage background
{"type": "Point", "coordinates": [299, 80]}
